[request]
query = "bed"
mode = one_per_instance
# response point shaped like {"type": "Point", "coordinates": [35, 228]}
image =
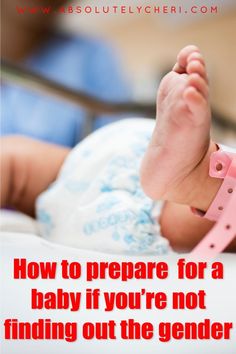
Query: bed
{"type": "Point", "coordinates": [18, 239]}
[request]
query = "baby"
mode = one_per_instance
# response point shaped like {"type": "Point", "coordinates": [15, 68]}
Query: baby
{"type": "Point", "coordinates": [92, 197]}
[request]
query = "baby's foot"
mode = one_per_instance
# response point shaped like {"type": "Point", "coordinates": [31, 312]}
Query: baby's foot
{"type": "Point", "coordinates": [180, 146]}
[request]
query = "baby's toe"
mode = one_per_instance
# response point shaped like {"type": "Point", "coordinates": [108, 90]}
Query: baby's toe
{"type": "Point", "coordinates": [197, 65]}
{"type": "Point", "coordinates": [196, 103]}
{"type": "Point", "coordinates": [196, 81]}
{"type": "Point", "coordinates": [182, 58]}
{"type": "Point", "coordinates": [196, 55]}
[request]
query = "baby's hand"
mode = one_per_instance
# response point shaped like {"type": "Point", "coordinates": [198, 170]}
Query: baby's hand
{"type": "Point", "coordinates": [27, 168]}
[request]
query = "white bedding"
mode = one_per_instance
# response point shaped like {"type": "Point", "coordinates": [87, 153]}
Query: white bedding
{"type": "Point", "coordinates": [15, 299]}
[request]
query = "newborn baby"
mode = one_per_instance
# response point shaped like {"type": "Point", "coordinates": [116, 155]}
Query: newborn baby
{"type": "Point", "coordinates": [97, 200]}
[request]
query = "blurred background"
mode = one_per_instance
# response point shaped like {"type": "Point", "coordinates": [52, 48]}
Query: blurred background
{"type": "Point", "coordinates": [145, 47]}
{"type": "Point", "coordinates": [148, 45]}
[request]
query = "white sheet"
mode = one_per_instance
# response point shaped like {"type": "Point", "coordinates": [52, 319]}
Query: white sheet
{"type": "Point", "coordinates": [15, 299]}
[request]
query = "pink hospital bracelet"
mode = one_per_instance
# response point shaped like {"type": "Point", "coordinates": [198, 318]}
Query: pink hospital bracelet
{"type": "Point", "coordinates": [223, 208]}
{"type": "Point", "coordinates": [222, 165]}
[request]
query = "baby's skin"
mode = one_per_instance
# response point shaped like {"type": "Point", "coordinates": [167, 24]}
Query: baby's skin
{"type": "Point", "coordinates": [175, 166]}
{"type": "Point", "coordinates": [27, 168]}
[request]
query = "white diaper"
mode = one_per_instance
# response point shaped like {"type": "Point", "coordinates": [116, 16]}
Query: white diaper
{"type": "Point", "coordinates": [97, 202]}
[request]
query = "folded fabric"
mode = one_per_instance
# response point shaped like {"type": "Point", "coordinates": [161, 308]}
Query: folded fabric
{"type": "Point", "coordinates": [97, 202]}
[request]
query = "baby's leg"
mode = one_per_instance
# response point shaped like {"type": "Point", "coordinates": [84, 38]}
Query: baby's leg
{"type": "Point", "coordinates": [176, 164]}
{"type": "Point", "coordinates": [183, 229]}
{"type": "Point", "coordinates": [27, 168]}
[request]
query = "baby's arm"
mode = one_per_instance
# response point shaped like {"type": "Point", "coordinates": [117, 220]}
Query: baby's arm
{"type": "Point", "coordinates": [27, 168]}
